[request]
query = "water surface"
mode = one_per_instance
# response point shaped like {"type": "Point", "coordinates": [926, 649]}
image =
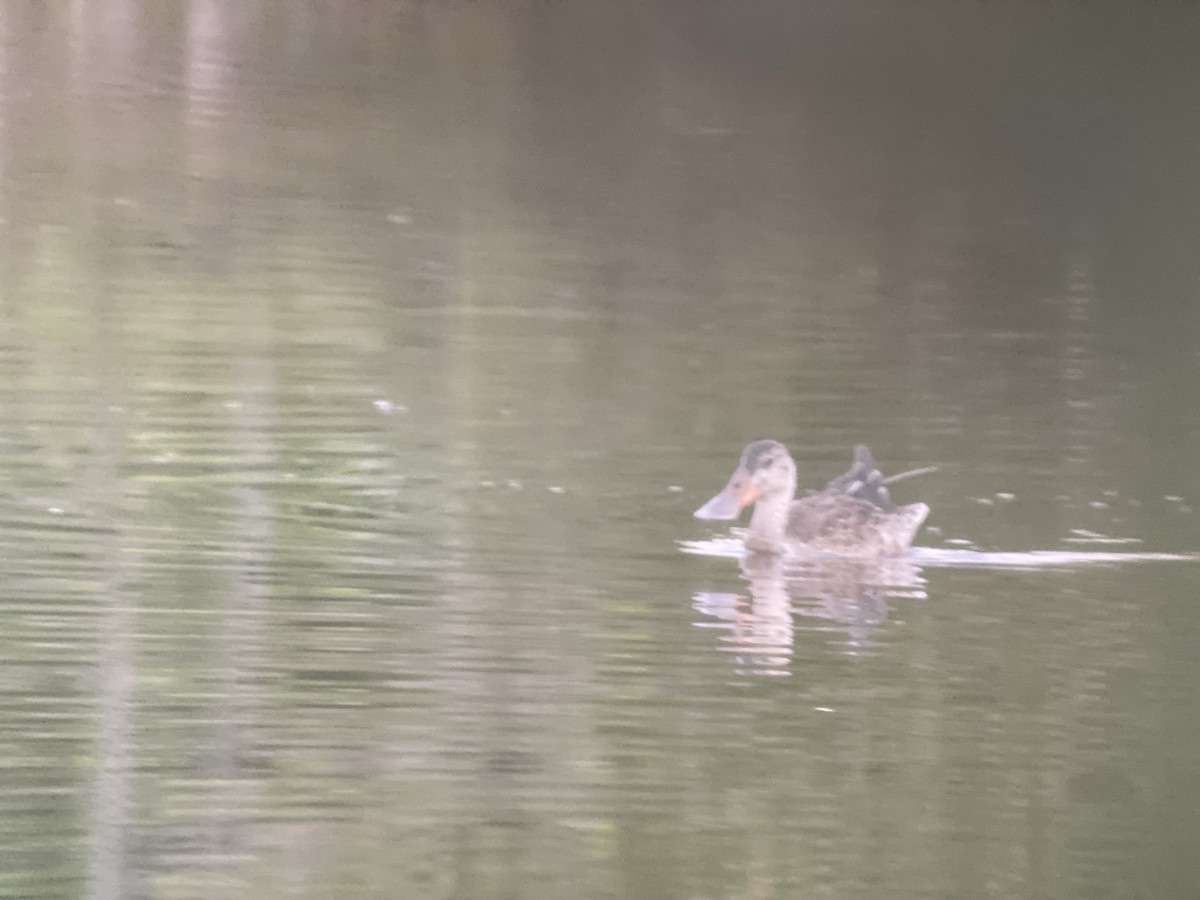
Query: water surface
{"type": "Point", "coordinates": [361, 368]}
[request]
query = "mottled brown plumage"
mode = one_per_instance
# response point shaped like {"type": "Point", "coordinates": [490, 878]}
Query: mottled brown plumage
{"type": "Point", "coordinates": [853, 515]}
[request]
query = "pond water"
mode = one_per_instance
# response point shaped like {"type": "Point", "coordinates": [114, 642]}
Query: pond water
{"type": "Point", "coordinates": [363, 364]}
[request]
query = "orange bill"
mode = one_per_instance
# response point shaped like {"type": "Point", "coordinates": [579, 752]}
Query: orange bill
{"type": "Point", "coordinates": [736, 496]}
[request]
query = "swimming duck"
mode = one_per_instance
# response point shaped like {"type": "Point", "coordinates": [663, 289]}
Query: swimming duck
{"type": "Point", "coordinates": [852, 516]}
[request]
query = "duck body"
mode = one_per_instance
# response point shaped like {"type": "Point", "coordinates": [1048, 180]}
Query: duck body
{"type": "Point", "coordinates": [853, 515]}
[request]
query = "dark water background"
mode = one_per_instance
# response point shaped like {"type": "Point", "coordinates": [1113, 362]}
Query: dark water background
{"type": "Point", "coordinates": [361, 364]}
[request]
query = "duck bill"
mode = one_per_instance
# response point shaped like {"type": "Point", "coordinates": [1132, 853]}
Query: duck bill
{"type": "Point", "coordinates": [734, 497]}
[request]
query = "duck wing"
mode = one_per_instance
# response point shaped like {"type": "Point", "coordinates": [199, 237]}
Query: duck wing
{"type": "Point", "coordinates": [862, 481]}
{"type": "Point", "coordinates": [830, 517]}
{"type": "Point", "coordinates": [854, 514]}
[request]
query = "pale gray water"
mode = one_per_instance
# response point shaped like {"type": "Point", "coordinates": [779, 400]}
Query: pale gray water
{"type": "Point", "coordinates": [361, 365]}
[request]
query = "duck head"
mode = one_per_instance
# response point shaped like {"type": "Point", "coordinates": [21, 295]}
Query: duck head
{"type": "Point", "coordinates": [765, 472]}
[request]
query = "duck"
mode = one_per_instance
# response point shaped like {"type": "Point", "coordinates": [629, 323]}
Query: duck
{"type": "Point", "coordinates": [852, 516]}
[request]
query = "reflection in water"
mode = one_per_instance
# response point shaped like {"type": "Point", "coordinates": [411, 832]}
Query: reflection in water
{"type": "Point", "coordinates": [849, 596]}
{"type": "Point", "coordinates": [116, 753]}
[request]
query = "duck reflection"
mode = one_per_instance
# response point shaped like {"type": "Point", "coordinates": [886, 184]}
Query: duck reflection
{"type": "Point", "coordinates": [845, 597]}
